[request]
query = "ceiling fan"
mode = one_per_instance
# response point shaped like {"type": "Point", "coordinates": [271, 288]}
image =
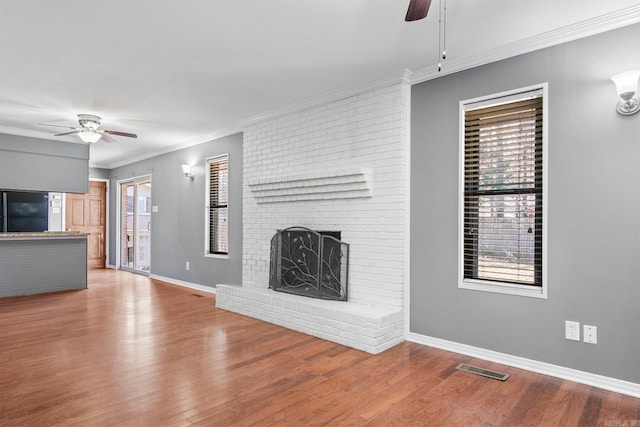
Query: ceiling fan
{"type": "Point", "coordinates": [418, 9]}
{"type": "Point", "coordinates": [89, 130]}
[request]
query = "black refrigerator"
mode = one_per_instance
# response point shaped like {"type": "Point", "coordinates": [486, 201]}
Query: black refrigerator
{"type": "Point", "coordinates": [24, 211]}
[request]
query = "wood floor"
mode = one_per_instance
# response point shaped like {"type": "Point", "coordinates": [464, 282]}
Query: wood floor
{"type": "Point", "coordinates": [134, 351]}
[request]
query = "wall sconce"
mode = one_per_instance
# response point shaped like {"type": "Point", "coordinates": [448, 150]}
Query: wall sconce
{"type": "Point", "coordinates": [186, 170]}
{"type": "Point", "coordinates": [627, 86]}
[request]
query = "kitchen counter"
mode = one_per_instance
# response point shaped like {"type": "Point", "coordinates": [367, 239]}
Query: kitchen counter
{"type": "Point", "coordinates": [42, 235]}
{"type": "Point", "coordinates": [50, 261]}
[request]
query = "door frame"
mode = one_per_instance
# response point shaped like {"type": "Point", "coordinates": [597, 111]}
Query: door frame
{"type": "Point", "coordinates": [106, 218]}
{"type": "Point", "coordinates": [118, 263]}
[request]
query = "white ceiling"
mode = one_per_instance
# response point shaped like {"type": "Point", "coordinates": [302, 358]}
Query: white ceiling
{"type": "Point", "coordinates": [181, 72]}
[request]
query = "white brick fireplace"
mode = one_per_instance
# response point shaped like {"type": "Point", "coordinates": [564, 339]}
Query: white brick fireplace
{"type": "Point", "coordinates": [342, 165]}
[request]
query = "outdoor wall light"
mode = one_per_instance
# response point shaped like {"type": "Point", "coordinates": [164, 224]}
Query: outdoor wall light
{"type": "Point", "coordinates": [186, 170]}
{"type": "Point", "coordinates": [627, 86]}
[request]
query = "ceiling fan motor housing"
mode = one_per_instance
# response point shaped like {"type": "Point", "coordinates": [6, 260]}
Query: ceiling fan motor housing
{"type": "Point", "coordinates": [89, 121]}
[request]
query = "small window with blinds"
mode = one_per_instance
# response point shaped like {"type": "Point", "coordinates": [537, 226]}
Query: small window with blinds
{"type": "Point", "coordinates": [502, 190]}
{"type": "Point", "coordinates": [217, 205]}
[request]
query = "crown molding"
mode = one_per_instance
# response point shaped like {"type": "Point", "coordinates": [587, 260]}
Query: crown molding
{"type": "Point", "coordinates": [589, 27]}
{"type": "Point", "coordinates": [129, 160]}
{"type": "Point", "coordinates": [179, 146]}
{"type": "Point", "coordinates": [38, 134]}
{"type": "Point", "coordinates": [403, 76]}
{"type": "Point", "coordinates": [579, 30]}
{"type": "Point", "coordinates": [600, 24]}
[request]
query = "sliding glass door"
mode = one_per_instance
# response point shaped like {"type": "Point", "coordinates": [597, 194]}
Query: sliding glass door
{"type": "Point", "coordinates": [135, 225]}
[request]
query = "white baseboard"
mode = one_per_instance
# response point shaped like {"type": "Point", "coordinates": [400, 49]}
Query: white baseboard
{"type": "Point", "coordinates": [190, 285]}
{"type": "Point", "coordinates": [111, 266]}
{"type": "Point", "coordinates": [607, 383]}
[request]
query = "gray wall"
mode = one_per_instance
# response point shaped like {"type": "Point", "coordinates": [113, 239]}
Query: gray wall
{"type": "Point", "coordinates": [594, 212]}
{"type": "Point", "coordinates": [98, 173]}
{"type": "Point", "coordinates": [178, 228]}
{"type": "Point", "coordinates": [43, 165]}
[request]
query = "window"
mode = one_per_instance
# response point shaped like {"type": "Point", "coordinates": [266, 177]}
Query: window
{"type": "Point", "coordinates": [217, 234]}
{"type": "Point", "coordinates": [502, 188]}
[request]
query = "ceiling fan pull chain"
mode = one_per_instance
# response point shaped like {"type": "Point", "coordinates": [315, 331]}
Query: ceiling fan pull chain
{"type": "Point", "coordinates": [442, 33]}
{"type": "Point", "coordinates": [439, 34]}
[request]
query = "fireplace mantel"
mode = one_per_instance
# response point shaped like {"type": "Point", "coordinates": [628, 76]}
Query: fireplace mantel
{"type": "Point", "coordinates": [318, 185]}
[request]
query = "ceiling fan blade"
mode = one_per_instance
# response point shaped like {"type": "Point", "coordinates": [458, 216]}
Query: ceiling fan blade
{"type": "Point", "coordinates": [107, 138]}
{"type": "Point", "coordinates": [115, 132]}
{"type": "Point", "coordinates": [68, 133]}
{"type": "Point", "coordinates": [58, 126]}
{"type": "Point", "coordinates": [418, 9]}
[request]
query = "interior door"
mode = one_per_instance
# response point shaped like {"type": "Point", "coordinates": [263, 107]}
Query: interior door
{"type": "Point", "coordinates": [87, 213]}
{"type": "Point", "coordinates": [135, 230]}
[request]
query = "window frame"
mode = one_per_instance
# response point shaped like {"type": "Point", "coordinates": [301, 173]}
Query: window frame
{"type": "Point", "coordinates": [535, 291]}
{"type": "Point", "coordinates": [207, 221]}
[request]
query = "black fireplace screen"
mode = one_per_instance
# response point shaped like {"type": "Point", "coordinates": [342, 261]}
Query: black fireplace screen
{"type": "Point", "coordinates": [309, 263]}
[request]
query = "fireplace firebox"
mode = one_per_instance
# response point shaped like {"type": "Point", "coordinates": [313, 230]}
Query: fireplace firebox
{"type": "Point", "coordinates": [309, 263]}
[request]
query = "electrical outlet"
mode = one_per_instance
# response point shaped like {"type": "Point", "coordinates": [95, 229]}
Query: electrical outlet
{"type": "Point", "coordinates": [572, 330]}
{"type": "Point", "coordinates": [186, 266]}
{"type": "Point", "coordinates": [590, 334]}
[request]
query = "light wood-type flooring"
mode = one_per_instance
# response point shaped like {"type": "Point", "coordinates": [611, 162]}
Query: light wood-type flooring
{"type": "Point", "coordinates": [132, 351]}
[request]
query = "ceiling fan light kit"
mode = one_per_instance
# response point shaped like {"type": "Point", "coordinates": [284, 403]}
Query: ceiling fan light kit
{"type": "Point", "coordinates": [89, 136]}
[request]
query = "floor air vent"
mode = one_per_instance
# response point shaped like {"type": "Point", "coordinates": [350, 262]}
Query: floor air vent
{"type": "Point", "coordinates": [484, 372]}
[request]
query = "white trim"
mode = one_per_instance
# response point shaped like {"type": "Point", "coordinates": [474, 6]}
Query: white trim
{"type": "Point", "coordinates": [207, 188]}
{"type": "Point", "coordinates": [184, 284]}
{"type": "Point", "coordinates": [218, 256]}
{"type": "Point", "coordinates": [407, 218]}
{"type": "Point", "coordinates": [502, 98]}
{"type": "Point", "coordinates": [403, 76]}
{"type": "Point", "coordinates": [116, 262]}
{"type": "Point", "coordinates": [119, 183]}
{"type": "Point", "coordinates": [600, 24]}
{"type": "Point", "coordinates": [541, 89]}
{"type": "Point", "coordinates": [501, 288]}
{"type": "Point", "coordinates": [184, 144]}
{"type": "Point", "coordinates": [545, 189]}
{"type": "Point", "coordinates": [595, 380]}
